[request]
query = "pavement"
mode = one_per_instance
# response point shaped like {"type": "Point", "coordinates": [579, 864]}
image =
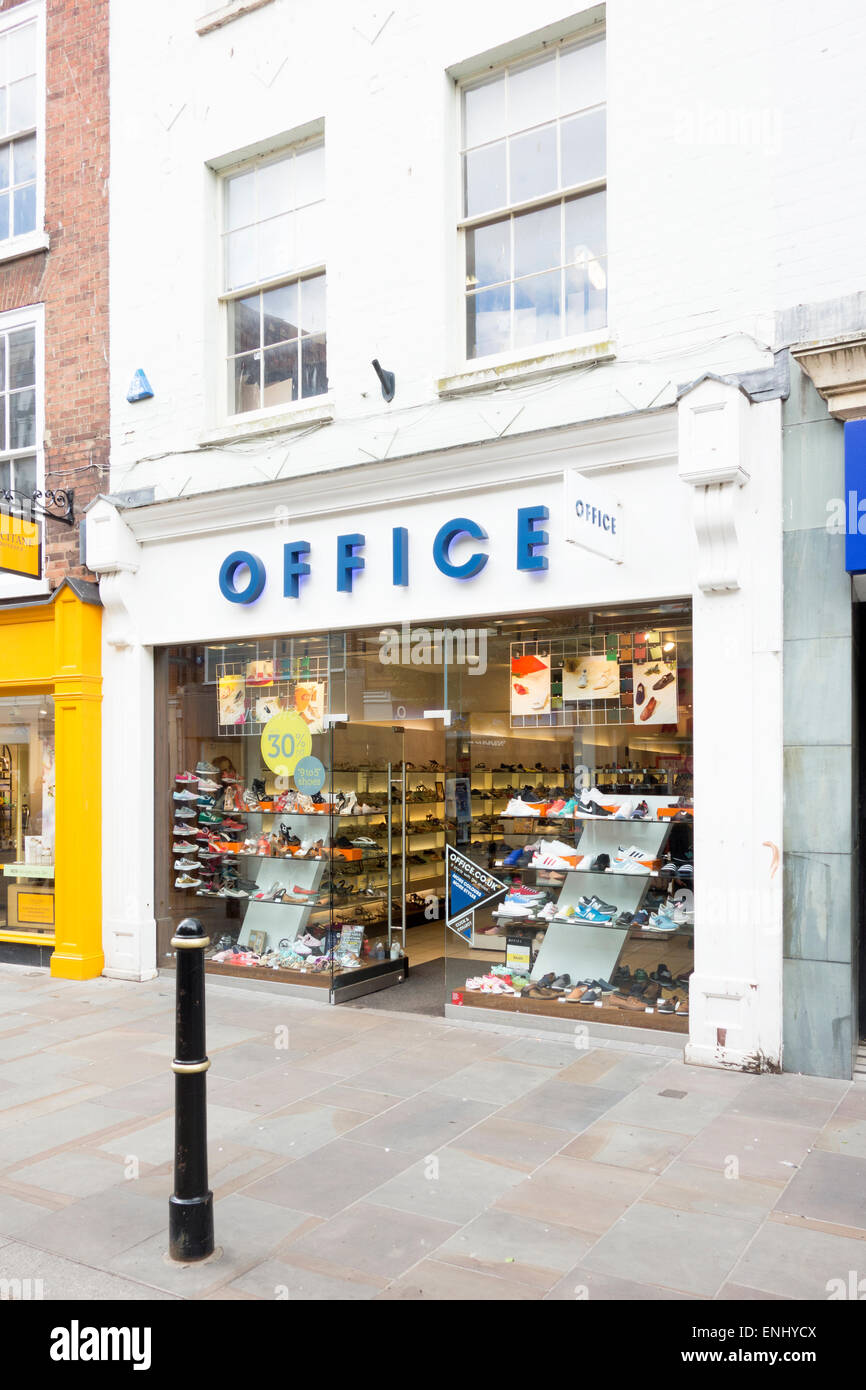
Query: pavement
{"type": "Point", "coordinates": [365, 1155]}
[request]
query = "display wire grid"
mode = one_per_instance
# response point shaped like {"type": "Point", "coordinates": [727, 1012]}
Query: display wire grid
{"type": "Point", "coordinates": [308, 668]}
{"type": "Point", "coordinates": [581, 644]}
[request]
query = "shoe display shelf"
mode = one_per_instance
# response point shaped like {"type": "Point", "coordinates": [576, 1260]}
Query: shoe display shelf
{"type": "Point", "coordinates": [278, 920]}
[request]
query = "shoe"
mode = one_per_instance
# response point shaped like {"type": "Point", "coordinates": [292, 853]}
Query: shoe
{"type": "Point", "coordinates": [516, 807]}
{"type": "Point", "coordinates": [591, 996]}
{"type": "Point", "coordinates": [229, 892]}
{"type": "Point", "coordinates": [185, 813]}
{"type": "Point", "coordinates": [231, 824]}
{"type": "Point", "coordinates": [553, 861]}
{"type": "Point", "coordinates": [269, 895]}
{"type": "Point", "coordinates": [569, 808]}
{"type": "Point", "coordinates": [629, 861]}
{"type": "Point", "coordinates": [640, 694]}
{"type": "Point", "coordinates": [673, 1006]}
{"type": "Point", "coordinates": [185, 796]}
{"type": "Point", "coordinates": [627, 1001]}
{"type": "Point", "coordinates": [185, 881]}
{"type": "Point", "coordinates": [206, 770]}
{"type": "Point", "coordinates": [205, 786]}
{"type": "Point", "coordinates": [186, 864]}
{"type": "Point", "coordinates": [650, 710]}
{"type": "Point", "coordinates": [662, 976]}
{"type": "Point", "coordinates": [513, 858]}
{"type": "Point", "coordinates": [665, 680]}
{"type": "Point", "coordinates": [185, 777]}
{"type": "Point", "coordinates": [600, 864]}
{"type": "Point", "coordinates": [624, 810]}
{"type": "Point", "coordinates": [512, 909]}
{"type": "Point", "coordinates": [640, 812]}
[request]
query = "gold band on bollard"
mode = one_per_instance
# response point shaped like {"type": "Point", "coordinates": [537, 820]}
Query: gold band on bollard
{"type": "Point", "coordinates": [190, 1068]}
{"type": "Point", "coordinates": [180, 942]}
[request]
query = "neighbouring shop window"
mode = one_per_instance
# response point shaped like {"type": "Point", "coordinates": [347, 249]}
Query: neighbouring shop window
{"type": "Point", "coordinates": [27, 802]}
{"type": "Point", "coordinates": [274, 279]}
{"type": "Point", "coordinates": [533, 168]}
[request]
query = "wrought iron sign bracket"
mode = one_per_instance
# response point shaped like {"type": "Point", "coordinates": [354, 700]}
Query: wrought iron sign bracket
{"type": "Point", "coordinates": [56, 505]}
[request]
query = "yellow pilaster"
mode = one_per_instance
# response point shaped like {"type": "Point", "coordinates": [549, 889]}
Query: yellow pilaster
{"type": "Point", "coordinates": [78, 781]}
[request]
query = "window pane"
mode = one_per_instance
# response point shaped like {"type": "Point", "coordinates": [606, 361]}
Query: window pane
{"type": "Point", "coordinates": [586, 296]}
{"type": "Point", "coordinates": [240, 258]}
{"type": "Point", "coordinates": [24, 209]}
{"type": "Point", "coordinates": [22, 420]}
{"type": "Point", "coordinates": [281, 374]}
{"type": "Point", "coordinates": [310, 175]}
{"type": "Point", "coordinates": [4, 166]}
{"type": "Point", "coordinates": [5, 476]}
{"type": "Point", "coordinates": [581, 77]}
{"type": "Point", "coordinates": [314, 364]}
{"type": "Point", "coordinates": [24, 156]}
{"type": "Point", "coordinates": [3, 108]}
{"type": "Point", "coordinates": [280, 310]}
{"type": "Point", "coordinates": [313, 305]}
{"type": "Point", "coordinates": [484, 179]}
{"type": "Point", "coordinates": [487, 321]}
{"type": "Point", "coordinates": [275, 188]}
{"type": "Point", "coordinates": [537, 317]}
{"type": "Point", "coordinates": [24, 475]}
{"type": "Point", "coordinates": [2, 369]}
{"type": "Point", "coordinates": [22, 104]}
{"type": "Point", "coordinates": [484, 112]}
{"type": "Point", "coordinates": [240, 201]}
{"type": "Point", "coordinates": [244, 376]}
{"type": "Point", "coordinates": [244, 324]}
{"type": "Point", "coordinates": [488, 254]}
{"type": "Point", "coordinates": [583, 148]}
{"type": "Point", "coordinates": [310, 235]}
{"type": "Point", "coordinates": [537, 240]}
{"type": "Point", "coordinates": [21, 52]}
{"type": "Point", "coordinates": [22, 358]}
{"type": "Point", "coordinates": [533, 164]}
{"type": "Point", "coordinates": [585, 235]}
{"type": "Point", "coordinates": [532, 94]}
{"type": "Point", "coordinates": [4, 216]}
{"type": "Point", "coordinates": [276, 246]}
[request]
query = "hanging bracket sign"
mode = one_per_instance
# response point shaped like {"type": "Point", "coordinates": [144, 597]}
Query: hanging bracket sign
{"type": "Point", "coordinates": [469, 887]}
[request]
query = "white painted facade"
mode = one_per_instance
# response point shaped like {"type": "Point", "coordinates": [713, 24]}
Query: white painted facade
{"type": "Point", "coordinates": [723, 208]}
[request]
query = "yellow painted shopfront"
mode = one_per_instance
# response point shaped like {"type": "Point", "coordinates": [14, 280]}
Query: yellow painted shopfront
{"type": "Point", "coordinates": [50, 782]}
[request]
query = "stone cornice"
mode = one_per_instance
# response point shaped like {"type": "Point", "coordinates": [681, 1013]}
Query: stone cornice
{"type": "Point", "coordinates": [838, 369]}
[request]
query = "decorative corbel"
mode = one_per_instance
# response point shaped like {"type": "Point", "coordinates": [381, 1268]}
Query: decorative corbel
{"type": "Point", "coordinates": [712, 418]}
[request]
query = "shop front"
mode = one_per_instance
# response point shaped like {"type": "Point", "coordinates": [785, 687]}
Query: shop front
{"type": "Point", "coordinates": [506, 723]}
{"type": "Point", "coordinates": [50, 782]}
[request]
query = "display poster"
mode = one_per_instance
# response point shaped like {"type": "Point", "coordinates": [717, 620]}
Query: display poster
{"type": "Point", "coordinates": [655, 692]}
{"type": "Point", "coordinates": [590, 678]}
{"type": "Point", "coordinates": [309, 701]}
{"type": "Point", "coordinates": [469, 886]}
{"type": "Point", "coordinates": [232, 700]}
{"type": "Point", "coordinates": [530, 684]}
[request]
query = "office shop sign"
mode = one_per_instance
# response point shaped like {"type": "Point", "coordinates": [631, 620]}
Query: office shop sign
{"type": "Point", "coordinates": [593, 521]}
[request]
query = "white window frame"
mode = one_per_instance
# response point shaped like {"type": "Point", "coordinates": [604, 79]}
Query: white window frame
{"type": "Point", "coordinates": [37, 240]}
{"type": "Point", "coordinates": [306, 408]}
{"type": "Point", "coordinates": [552, 348]}
{"type": "Point", "coordinates": [30, 316]}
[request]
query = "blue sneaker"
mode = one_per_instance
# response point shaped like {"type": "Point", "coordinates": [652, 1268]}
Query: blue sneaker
{"type": "Point", "coordinates": [513, 858]}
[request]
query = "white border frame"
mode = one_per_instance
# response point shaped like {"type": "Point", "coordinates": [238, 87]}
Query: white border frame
{"type": "Point", "coordinates": [37, 240]}
{"type": "Point", "coordinates": [590, 33]}
{"type": "Point", "coordinates": [30, 315]}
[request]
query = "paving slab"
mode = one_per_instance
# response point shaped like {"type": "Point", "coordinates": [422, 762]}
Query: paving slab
{"type": "Point", "coordinates": [690, 1252]}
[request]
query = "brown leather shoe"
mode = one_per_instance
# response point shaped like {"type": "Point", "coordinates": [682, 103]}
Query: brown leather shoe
{"type": "Point", "coordinates": [576, 994]}
{"type": "Point", "coordinates": [627, 1001]}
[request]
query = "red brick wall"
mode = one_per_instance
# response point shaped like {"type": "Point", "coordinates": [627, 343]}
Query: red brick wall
{"type": "Point", "coordinates": [71, 279]}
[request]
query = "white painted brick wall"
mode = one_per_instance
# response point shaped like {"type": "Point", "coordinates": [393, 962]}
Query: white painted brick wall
{"type": "Point", "coordinates": [737, 141]}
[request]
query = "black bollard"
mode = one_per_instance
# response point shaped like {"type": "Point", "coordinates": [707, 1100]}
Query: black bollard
{"type": "Point", "coordinates": [190, 1208]}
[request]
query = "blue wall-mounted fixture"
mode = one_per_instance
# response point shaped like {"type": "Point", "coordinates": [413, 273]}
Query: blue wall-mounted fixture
{"type": "Point", "coordinates": [140, 388]}
{"type": "Point", "coordinates": [387, 380]}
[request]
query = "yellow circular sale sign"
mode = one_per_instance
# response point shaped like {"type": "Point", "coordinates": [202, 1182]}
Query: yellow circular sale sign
{"type": "Point", "coordinates": [285, 740]}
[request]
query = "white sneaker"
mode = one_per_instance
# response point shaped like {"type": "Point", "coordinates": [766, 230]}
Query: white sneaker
{"type": "Point", "coordinates": [187, 864]}
{"type": "Point", "coordinates": [516, 807]}
{"type": "Point", "coordinates": [558, 847]}
{"type": "Point", "coordinates": [625, 809]}
{"type": "Point", "coordinates": [547, 912]}
{"type": "Point", "coordinates": [204, 786]}
{"type": "Point", "coordinates": [513, 910]}
{"type": "Point", "coordinates": [629, 861]}
{"type": "Point", "coordinates": [550, 861]}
